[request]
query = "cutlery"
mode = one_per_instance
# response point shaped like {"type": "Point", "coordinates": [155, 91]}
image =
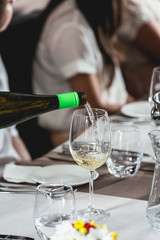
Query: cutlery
{"type": "Point", "coordinates": [119, 119]}
{"type": "Point", "coordinates": [132, 152]}
{"type": "Point", "coordinates": [60, 156]}
{"type": "Point", "coordinates": [16, 188]}
{"type": "Point", "coordinates": [15, 185]}
{"type": "Point", "coordinates": [13, 237]}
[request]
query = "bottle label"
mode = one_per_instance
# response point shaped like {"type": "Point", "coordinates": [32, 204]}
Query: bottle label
{"type": "Point", "coordinates": [68, 100]}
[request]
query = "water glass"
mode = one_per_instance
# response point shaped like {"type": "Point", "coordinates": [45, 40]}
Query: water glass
{"type": "Point", "coordinates": [126, 155]}
{"type": "Point", "coordinates": [154, 85]}
{"type": "Point", "coordinates": [54, 204]}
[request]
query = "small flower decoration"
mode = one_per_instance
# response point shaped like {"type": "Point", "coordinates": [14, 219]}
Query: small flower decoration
{"type": "Point", "coordinates": [80, 230]}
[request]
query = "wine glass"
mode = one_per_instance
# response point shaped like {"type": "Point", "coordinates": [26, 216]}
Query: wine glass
{"type": "Point", "coordinates": [90, 146]}
{"type": "Point", "coordinates": [126, 155]}
{"type": "Point", "coordinates": [54, 204]}
{"type": "Point", "coordinates": [154, 85]}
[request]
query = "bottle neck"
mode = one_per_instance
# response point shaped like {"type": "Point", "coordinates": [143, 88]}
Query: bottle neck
{"type": "Point", "coordinates": [72, 99]}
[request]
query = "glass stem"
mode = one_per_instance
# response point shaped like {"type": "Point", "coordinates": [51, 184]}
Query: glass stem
{"type": "Point", "coordinates": [90, 202]}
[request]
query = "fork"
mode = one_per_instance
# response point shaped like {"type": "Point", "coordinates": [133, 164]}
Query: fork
{"type": "Point", "coordinates": [17, 188]}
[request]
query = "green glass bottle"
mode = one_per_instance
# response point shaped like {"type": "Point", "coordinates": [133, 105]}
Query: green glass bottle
{"type": "Point", "coordinates": [19, 107]}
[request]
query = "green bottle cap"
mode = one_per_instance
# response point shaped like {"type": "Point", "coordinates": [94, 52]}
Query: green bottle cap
{"type": "Point", "coordinates": [68, 100]}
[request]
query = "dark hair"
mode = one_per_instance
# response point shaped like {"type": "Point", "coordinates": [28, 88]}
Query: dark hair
{"type": "Point", "coordinates": [104, 16]}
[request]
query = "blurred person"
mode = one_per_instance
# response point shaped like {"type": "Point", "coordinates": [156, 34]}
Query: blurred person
{"type": "Point", "coordinates": [11, 145]}
{"type": "Point", "coordinates": [22, 7]}
{"type": "Point", "coordinates": [75, 53]}
{"type": "Point", "coordinates": [137, 42]}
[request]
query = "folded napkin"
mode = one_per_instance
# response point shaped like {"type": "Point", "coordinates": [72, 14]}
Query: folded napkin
{"type": "Point", "coordinates": [16, 173]}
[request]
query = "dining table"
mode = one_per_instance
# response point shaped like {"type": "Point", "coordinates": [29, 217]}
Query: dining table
{"type": "Point", "coordinates": [124, 198]}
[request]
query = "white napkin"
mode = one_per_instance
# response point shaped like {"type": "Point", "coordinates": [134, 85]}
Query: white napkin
{"type": "Point", "coordinates": [16, 173]}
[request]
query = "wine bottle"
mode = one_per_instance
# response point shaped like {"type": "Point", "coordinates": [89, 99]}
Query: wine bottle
{"type": "Point", "coordinates": [18, 107]}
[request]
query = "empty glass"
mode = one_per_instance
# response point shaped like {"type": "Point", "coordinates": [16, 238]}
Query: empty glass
{"type": "Point", "coordinates": [126, 155]}
{"type": "Point", "coordinates": [154, 85]}
{"type": "Point", "coordinates": [54, 204]}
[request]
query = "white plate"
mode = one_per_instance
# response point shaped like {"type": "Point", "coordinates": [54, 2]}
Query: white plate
{"type": "Point", "coordinates": [69, 174]}
{"type": "Point", "coordinates": [137, 109]}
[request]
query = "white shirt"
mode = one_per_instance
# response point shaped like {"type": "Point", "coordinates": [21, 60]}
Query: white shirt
{"type": "Point", "coordinates": [68, 47]}
{"type": "Point", "coordinates": [136, 15]}
{"type": "Point", "coordinates": [6, 148]}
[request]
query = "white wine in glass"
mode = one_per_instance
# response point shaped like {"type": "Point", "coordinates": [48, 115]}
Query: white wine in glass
{"type": "Point", "coordinates": [90, 146]}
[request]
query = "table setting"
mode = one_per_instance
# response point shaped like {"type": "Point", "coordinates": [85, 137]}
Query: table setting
{"type": "Point", "coordinates": [121, 197]}
{"type": "Point", "coordinates": [103, 183]}
{"type": "Point", "coordinates": [127, 215]}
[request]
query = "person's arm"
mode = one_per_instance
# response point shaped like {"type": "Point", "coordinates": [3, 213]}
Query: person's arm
{"type": "Point", "coordinates": [89, 84]}
{"type": "Point", "coordinates": [20, 148]}
{"type": "Point", "coordinates": [148, 39]}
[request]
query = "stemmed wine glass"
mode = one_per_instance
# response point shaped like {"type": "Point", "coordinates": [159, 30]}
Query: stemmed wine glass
{"type": "Point", "coordinates": [90, 146]}
{"type": "Point", "coordinates": [154, 85]}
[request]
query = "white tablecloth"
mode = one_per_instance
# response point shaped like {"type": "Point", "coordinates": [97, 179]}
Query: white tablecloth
{"type": "Point", "coordinates": [127, 215]}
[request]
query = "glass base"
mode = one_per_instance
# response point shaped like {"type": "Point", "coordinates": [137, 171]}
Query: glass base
{"type": "Point", "coordinates": [93, 214]}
